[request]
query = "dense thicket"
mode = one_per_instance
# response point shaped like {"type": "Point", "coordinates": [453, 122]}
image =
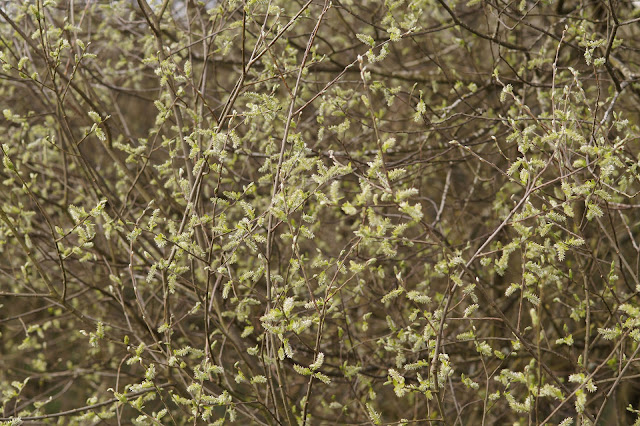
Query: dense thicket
{"type": "Point", "coordinates": [320, 212]}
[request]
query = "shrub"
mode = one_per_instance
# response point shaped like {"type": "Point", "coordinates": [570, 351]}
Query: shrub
{"type": "Point", "coordinates": [290, 212]}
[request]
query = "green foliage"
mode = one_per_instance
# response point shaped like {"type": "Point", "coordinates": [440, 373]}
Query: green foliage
{"type": "Point", "coordinates": [385, 212]}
